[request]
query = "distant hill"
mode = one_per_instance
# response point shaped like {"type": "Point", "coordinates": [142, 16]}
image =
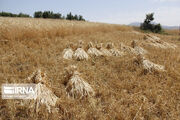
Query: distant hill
{"type": "Point", "coordinates": [137, 24]}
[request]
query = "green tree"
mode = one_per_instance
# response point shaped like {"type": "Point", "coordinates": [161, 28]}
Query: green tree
{"type": "Point", "coordinates": [22, 15]}
{"type": "Point", "coordinates": [57, 16]}
{"type": "Point", "coordinates": [76, 17]}
{"type": "Point", "coordinates": [81, 18]}
{"type": "Point", "coordinates": [149, 18]}
{"type": "Point", "coordinates": [8, 14]}
{"type": "Point", "coordinates": [46, 14]}
{"type": "Point", "coordinates": [38, 14]}
{"type": "Point", "coordinates": [69, 16]}
{"type": "Point", "coordinates": [147, 24]}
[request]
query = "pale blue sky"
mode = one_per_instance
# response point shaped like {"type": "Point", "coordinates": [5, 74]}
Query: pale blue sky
{"type": "Point", "coordinates": [167, 12]}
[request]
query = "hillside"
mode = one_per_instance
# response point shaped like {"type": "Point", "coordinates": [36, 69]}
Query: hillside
{"type": "Point", "coordinates": [123, 88]}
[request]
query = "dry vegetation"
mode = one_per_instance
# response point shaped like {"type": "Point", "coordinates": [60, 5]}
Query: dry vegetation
{"type": "Point", "coordinates": [122, 89]}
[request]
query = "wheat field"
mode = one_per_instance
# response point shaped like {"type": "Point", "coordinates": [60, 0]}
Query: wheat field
{"type": "Point", "coordinates": [123, 90]}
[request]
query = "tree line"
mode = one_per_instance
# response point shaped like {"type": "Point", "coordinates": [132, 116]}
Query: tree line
{"type": "Point", "coordinates": [45, 14]}
{"type": "Point", "coordinates": [50, 14]}
{"type": "Point", "coordinates": [8, 14]}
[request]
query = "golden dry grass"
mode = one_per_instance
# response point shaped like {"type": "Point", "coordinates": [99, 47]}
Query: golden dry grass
{"type": "Point", "coordinates": [123, 90]}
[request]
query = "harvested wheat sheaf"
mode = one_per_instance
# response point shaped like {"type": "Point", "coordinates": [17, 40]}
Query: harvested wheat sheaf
{"type": "Point", "coordinates": [154, 37]}
{"type": "Point", "coordinates": [137, 50]}
{"type": "Point", "coordinates": [68, 53]}
{"type": "Point", "coordinates": [114, 51]}
{"type": "Point", "coordinates": [104, 51]}
{"type": "Point", "coordinates": [44, 95]}
{"type": "Point", "coordinates": [127, 49]}
{"type": "Point", "coordinates": [148, 65]}
{"type": "Point", "coordinates": [157, 42]}
{"type": "Point", "coordinates": [80, 53]}
{"type": "Point", "coordinates": [140, 50]}
{"type": "Point", "coordinates": [93, 51]}
{"type": "Point", "coordinates": [76, 86]}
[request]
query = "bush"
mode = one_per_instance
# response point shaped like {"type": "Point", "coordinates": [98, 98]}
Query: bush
{"type": "Point", "coordinates": [157, 28]}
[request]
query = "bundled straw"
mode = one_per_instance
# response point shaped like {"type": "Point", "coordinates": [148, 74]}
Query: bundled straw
{"type": "Point", "coordinates": [68, 52]}
{"type": "Point", "coordinates": [104, 51]}
{"type": "Point", "coordinates": [44, 95]}
{"type": "Point", "coordinates": [137, 50]}
{"type": "Point", "coordinates": [148, 65]}
{"type": "Point", "coordinates": [93, 51]}
{"type": "Point", "coordinates": [157, 42]}
{"type": "Point", "coordinates": [80, 54]}
{"type": "Point", "coordinates": [127, 49]}
{"type": "Point", "coordinates": [76, 86]}
{"type": "Point", "coordinates": [114, 51]}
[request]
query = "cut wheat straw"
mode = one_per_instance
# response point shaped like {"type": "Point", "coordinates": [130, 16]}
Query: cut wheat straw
{"type": "Point", "coordinates": [140, 50]}
{"type": "Point", "coordinates": [80, 53]}
{"type": "Point", "coordinates": [114, 51]}
{"type": "Point", "coordinates": [104, 51]}
{"type": "Point", "coordinates": [148, 65]}
{"type": "Point", "coordinates": [93, 51]}
{"type": "Point", "coordinates": [126, 49]}
{"type": "Point", "coordinates": [157, 42]}
{"type": "Point", "coordinates": [68, 53]}
{"type": "Point", "coordinates": [44, 95]}
{"type": "Point", "coordinates": [76, 86]}
{"type": "Point", "coordinates": [137, 50]}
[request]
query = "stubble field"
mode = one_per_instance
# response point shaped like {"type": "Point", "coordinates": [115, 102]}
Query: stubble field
{"type": "Point", "coordinates": [123, 90]}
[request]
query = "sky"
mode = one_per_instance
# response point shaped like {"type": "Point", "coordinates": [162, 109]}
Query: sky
{"type": "Point", "coordinates": [166, 12]}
